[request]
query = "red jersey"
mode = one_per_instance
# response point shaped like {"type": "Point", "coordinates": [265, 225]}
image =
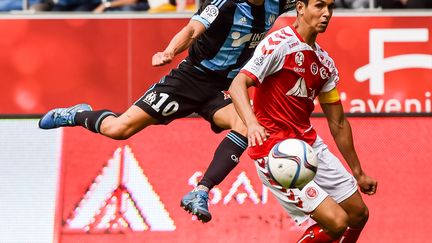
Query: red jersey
{"type": "Point", "coordinates": [289, 74]}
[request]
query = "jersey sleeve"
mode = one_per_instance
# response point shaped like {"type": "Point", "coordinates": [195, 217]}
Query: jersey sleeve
{"type": "Point", "coordinates": [265, 61]}
{"type": "Point", "coordinates": [208, 12]}
{"type": "Point", "coordinates": [334, 75]}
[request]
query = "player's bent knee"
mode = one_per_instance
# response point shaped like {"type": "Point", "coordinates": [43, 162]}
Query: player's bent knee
{"type": "Point", "coordinates": [239, 126]}
{"type": "Point", "coordinates": [359, 218]}
{"type": "Point", "coordinates": [338, 226]}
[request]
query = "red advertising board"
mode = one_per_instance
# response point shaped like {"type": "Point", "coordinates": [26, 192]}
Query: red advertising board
{"type": "Point", "coordinates": [129, 191]}
{"type": "Point", "coordinates": [385, 62]}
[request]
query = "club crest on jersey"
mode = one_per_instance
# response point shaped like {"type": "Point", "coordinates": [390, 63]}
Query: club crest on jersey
{"type": "Point", "coordinates": [150, 98]}
{"type": "Point", "coordinates": [210, 13]}
{"type": "Point", "coordinates": [299, 58]}
{"type": "Point", "coordinates": [271, 19]}
{"type": "Point", "coordinates": [311, 193]}
{"type": "Point", "coordinates": [323, 72]}
{"type": "Point", "coordinates": [314, 68]}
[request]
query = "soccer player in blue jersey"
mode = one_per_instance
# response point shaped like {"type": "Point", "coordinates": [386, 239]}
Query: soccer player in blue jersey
{"type": "Point", "coordinates": [221, 37]}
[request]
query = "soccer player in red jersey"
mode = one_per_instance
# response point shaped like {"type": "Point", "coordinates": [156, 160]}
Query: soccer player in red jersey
{"type": "Point", "coordinates": [289, 70]}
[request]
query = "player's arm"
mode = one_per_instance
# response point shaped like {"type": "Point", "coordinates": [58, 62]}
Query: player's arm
{"type": "Point", "coordinates": [341, 131]}
{"type": "Point", "coordinates": [113, 4]}
{"type": "Point", "coordinates": [180, 42]}
{"type": "Point", "coordinates": [240, 97]}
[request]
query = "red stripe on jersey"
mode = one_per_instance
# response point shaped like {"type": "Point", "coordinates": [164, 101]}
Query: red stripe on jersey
{"type": "Point", "coordinates": [250, 75]}
{"type": "Point", "coordinates": [277, 35]}
{"type": "Point", "coordinates": [263, 49]}
{"type": "Point", "coordinates": [266, 51]}
{"type": "Point", "coordinates": [273, 42]}
{"type": "Point", "coordinates": [285, 33]}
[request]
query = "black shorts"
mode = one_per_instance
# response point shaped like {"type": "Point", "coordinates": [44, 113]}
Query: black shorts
{"type": "Point", "coordinates": [183, 91]}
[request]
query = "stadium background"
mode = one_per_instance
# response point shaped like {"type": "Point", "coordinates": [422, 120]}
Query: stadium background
{"type": "Point", "coordinates": [68, 185]}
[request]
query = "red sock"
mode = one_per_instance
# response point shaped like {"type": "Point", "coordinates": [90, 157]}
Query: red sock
{"type": "Point", "coordinates": [350, 236]}
{"type": "Point", "coordinates": [315, 234]}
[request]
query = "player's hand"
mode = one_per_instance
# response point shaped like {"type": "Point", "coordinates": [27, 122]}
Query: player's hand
{"type": "Point", "coordinates": [256, 135]}
{"type": "Point", "coordinates": [99, 9]}
{"type": "Point", "coordinates": [367, 184]}
{"type": "Point", "coordinates": [162, 58]}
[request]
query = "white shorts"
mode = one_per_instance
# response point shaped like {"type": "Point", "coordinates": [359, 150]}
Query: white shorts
{"type": "Point", "coordinates": [331, 179]}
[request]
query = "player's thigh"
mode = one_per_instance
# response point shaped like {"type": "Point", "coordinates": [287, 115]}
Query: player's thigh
{"type": "Point", "coordinates": [227, 118]}
{"type": "Point", "coordinates": [332, 175]}
{"type": "Point", "coordinates": [330, 215]}
{"type": "Point", "coordinates": [175, 96]}
{"type": "Point", "coordinates": [220, 112]}
{"type": "Point", "coordinates": [356, 209]}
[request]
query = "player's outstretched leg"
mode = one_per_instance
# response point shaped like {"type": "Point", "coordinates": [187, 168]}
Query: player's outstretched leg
{"type": "Point", "coordinates": [196, 202]}
{"type": "Point", "coordinates": [225, 159]}
{"type": "Point", "coordinates": [62, 117]}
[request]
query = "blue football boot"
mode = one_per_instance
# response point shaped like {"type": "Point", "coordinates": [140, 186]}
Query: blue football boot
{"type": "Point", "coordinates": [62, 117]}
{"type": "Point", "coordinates": [195, 202]}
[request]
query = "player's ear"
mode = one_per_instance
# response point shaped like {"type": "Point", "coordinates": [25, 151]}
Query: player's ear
{"type": "Point", "coordinates": [300, 6]}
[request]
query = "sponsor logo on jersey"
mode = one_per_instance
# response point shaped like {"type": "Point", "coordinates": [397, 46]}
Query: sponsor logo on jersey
{"type": "Point", "coordinates": [311, 97]}
{"type": "Point", "coordinates": [258, 61]}
{"type": "Point", "coordinates": [299, 58]}
{"type": "Point", "coordinates": [299, 70]}
{"type": "Point", "coordinates": [323, 72]}
{"type": "Point", "coordinates": [299, 89]}
{"type": "Point", "coordinates": [314, 68]}
{"type": "Point", "coordinates": [210, 13]}
{"type": "Point", "coordinates": [292, 45]}
{"type": "Point", "coordinates": [254, 38]}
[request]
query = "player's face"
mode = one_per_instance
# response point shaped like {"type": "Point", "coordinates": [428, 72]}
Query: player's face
{"type": "Point", "coordinates": [317, 14]}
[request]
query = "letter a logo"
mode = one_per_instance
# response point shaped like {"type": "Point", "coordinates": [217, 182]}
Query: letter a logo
{"type": "Point", "coordinates": [120, 198]}
{"type": "Point", "coordinates": [299, 89]}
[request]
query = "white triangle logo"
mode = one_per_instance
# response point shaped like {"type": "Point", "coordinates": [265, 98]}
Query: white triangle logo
{"type": "Point", "coordinates": [120, 198]}
{"type": "Point", "coordinates": [299, 89]}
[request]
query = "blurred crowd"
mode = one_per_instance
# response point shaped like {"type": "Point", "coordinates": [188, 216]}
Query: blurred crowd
{"type": "Point", "coordinates": [100, 6]}
{"type": "Point", "coordinates": [383, 4]}
{"type": "Point", "coordinates": [96, 6]}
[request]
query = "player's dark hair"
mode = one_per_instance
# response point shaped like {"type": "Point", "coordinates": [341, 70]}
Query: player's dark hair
{"type": "Point", "coordinates": [304, 1]}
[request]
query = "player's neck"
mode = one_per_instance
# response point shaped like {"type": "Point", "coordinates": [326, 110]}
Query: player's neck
{"type": "Point", "coordinates": [308, 34]}
{"type": "Point", "coordinates": [256, 2]}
